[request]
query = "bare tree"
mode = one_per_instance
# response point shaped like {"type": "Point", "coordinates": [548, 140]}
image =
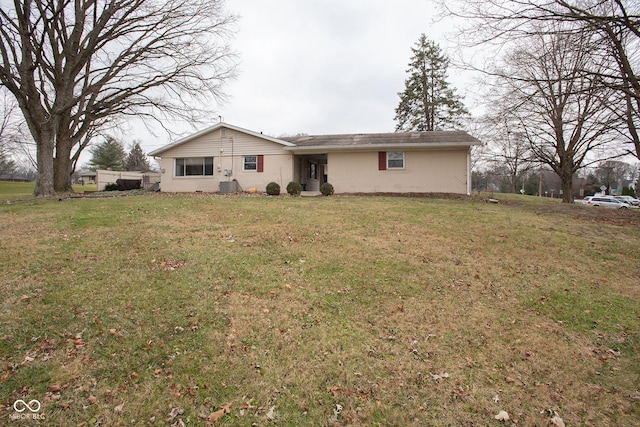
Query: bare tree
{"type": "Point", "coordinates": [627, 110]}
{"type": "Point", "coordinates": [507, 146]}
{"type": "Point", "coordinates": [612, 173]}
{"type": "Point", "coordinates": [561, 111]}
{"type": "Point", "coordinates": [8, 126]}
{"type": "Point", "coordinates": [477, 127]}
{"type": "Point", "coordinates": [76, 67]}
{"type": "Point", "coordinates": [613, 24]}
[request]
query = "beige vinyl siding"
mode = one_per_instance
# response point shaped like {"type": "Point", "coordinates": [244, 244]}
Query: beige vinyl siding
{"type": "Point", "coordinates": [424, 171]}
{"type": "Point", "coordinates": [228, 148]}
{"type": "Point", "coordinates": [215, 144]}
{"type": "Point", "coordinates": [277, 168]}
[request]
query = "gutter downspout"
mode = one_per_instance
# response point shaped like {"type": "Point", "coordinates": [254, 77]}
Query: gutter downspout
{"type": "Point", "coordinates": [469, 172]}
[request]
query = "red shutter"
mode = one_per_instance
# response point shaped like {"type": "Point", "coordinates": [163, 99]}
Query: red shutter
{"type": "Point", "coordinates": [382, 160]}
{"type": "Point", "coordinates": [260, 163]}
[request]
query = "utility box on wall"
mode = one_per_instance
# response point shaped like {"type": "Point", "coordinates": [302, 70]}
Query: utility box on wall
{"type": "Point", "coordinates": [227, 187]}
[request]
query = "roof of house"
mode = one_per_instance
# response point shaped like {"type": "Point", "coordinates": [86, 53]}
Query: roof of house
{"type": "Point", "coordinates": [213, 128]}
{"type": "Point", "coordinates": [14, 177]}
{"type": "Point", "coordinates": [358, 141]}
{"type": "Point", "coordinates": [434, 139]}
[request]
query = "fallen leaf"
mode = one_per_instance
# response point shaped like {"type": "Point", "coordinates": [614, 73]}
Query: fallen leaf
{"type": "Point", "coordinates": [336, 413]}
{"type": "Point", "coordinates": [119, 408]}
{"type": "Point", "coordinates": [202, 413]}
{"type": "Point", "coordinates": [92, 399]}
{"type": "Point", "coordinates": [502, 416]}
{"type": "Point", "coordinates": [334, 390]}
{"type": "Point", "coordinates": [271, 414]}
{"type": "Point", "coordinates": [215, 416]}
{"type": "Point", "coordinates": [557, 421]}
{"type": "Point", "coordinates": [174, 413]}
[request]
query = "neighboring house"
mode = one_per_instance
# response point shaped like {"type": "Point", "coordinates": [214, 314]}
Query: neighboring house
{"type": "Point", "coordinates": [414, 162]}
{"type": "Point", "coordinates": [86, 177]}
{"type": "Point", "coordinates": [15, 177]}
{"type": "Point", "coordinates": [106, 177]}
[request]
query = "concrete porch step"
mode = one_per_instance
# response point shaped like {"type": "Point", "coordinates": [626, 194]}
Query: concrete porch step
{"type": "Point", "coordinates": [310, 194]}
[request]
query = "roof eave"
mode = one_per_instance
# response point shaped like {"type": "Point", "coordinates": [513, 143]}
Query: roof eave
{"type": "Point", "coordinates": [369, 147]}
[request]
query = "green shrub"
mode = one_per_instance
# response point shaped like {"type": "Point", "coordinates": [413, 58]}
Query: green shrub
{"type": "Point", "coordinates": [111, 187]}
{"type": "Point", "coordinates": [273, 189]}
{"type": "Point", "coordinates": [294, 188]}
{"type": "Point", "coordinates": [326, 189]}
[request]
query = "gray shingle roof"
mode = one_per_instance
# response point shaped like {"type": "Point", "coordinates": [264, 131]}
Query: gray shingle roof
{"type": "Point", "coordinates": [435, 138]}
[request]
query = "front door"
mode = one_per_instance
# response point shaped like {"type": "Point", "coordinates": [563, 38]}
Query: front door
{"type": "Point", "coordinates": [311, 171]}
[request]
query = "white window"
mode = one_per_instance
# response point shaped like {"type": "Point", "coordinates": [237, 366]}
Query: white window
{"type": "Point", "coordinates": [395, 160]}
{"type": "Point", "coordinates": [194, 166]}
{"type": "Point", "coordinates": [250, 163]}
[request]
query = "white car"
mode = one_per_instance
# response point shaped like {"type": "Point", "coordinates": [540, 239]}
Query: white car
{"type": "Point", "coordinates": [605, 202]}
{"type": "Point", "coordinates": [629, 200]}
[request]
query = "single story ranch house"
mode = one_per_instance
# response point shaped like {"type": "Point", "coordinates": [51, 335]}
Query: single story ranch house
{"type": "Point", "coordinates": [228, 158]}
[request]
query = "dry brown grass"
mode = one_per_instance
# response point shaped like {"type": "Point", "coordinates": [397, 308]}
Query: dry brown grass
{"type": "Point", "coordinates": [329, 311]}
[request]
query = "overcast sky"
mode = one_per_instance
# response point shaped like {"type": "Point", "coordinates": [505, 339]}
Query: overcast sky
{"type": "Point", "coordinates": [323, 67]}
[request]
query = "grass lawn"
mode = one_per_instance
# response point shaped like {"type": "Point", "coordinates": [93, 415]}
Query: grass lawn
{"type": "Point", "coordinates": [24, 190]}
{"type": "Point", "coordinates": [16, 190]}
{"type": "Point", "coordinates": [361, 311]}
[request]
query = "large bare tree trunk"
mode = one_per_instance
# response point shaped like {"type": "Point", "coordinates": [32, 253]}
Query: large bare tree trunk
{"type": "Point", "coordinates": [44, 156]}
{"type": "Point", "coordinates": [567, 187]}
{"type": "Point", "coordinates": [63, 163]}
{"type": "Point", "coordinates": [62, 171]}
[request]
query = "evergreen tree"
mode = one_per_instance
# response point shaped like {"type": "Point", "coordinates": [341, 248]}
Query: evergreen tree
{"type": "Point", "coordinates": [7, 166]}
{"type": "Point", "coordinates": [428, 102]}
{"type": "Point", "coordinates": [108, 155]}
{"type": "Point", "coordinates": [136, 159]}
